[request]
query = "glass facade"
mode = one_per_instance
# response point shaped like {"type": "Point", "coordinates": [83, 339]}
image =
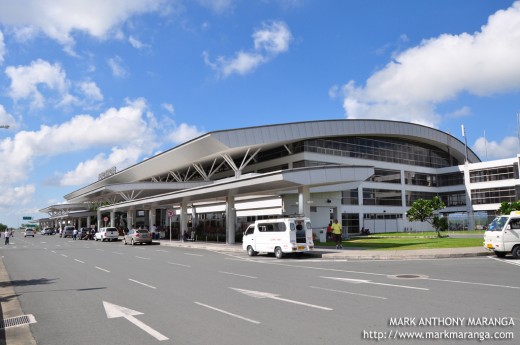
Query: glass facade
{"type": "Point", "coordinates": [411, 196]}
{"type": "Point", "coordinates": [381, 197]}
{"type": "Point", "coordinates": [386, 176]}
{"type": "Point", "coordinates": [494, 174]}
{"type": "Point", "coordinates": [493, 195]}
{"type": "Point", "coordinates": [385, 149]}
{"type": "Point", "coordinates": [432, 180]}
{"type": "Point", "coordinates": [350, 197]}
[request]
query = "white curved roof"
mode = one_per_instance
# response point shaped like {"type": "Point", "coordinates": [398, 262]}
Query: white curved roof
{"type": "Point", "coordinates": [237, 141]}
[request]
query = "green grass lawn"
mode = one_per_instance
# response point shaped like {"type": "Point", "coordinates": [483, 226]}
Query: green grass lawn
{"type": "Point", "coordinates": [407, 243]}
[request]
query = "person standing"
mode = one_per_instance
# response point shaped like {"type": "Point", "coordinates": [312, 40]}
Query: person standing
{"type": "Point", "coordinates": [74, 234]}
{"type": "Point", "coordinates": [7, 234]}
{"type": "Point", "coordinates": [337, 231]}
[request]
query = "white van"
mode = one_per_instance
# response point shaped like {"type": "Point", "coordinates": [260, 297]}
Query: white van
{"type": "Point", "coordinates": [279, 236]}
{"type": "Point", "coordinates": [503, 235]}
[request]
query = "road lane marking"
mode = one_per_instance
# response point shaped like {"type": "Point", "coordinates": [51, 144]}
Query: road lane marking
{"type": "Point", "coordinates": [102, 269]}
{"type": "Point", "coordinates": [236, 274]}
{"type": "Point", "coordinates": [347, 292]}
{"type": "Point", "coordinates": [118, 253]}
{"type": "Point", "coordinates": [101, 250]}
{"type": "Point", "coordinates": [473, 283]}
{"type": "Point", "coordinates": [113, 311]}
{"type": "Point", "coordinates": [53, 251]}
{"type": "Point", "coordinates": [64, 255]}
{"type": "Point", "coordinates": [79, 261]}
{"type": "Point", "coordinates": [140, 257]}
{"type": "Point", "coordinates": [362, 281]}
{"type": "Point", "coordinates": [173, 263]}
{"type": "Point", "coordinates": [193, 254]}
{"type": "Point", "coordinates": [517, 263]}
{"type": "Point", "coordinates": [138, 282]}
{"type": "Point", "coordinates": [227, 313]}
{"type": "Point", "coordinates": [162, 250]}
{"type": "Point", "coordinates": [259, 294]}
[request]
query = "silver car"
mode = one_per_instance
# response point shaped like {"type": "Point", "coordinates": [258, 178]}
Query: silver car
{"type": "Point", "coordinates": [137, 236]}
{"type": "Point", "coordinates": [67, 231]}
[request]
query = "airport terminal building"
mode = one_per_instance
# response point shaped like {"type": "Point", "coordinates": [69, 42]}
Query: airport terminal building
{"type": "Point", "coordinates": [366, 173]}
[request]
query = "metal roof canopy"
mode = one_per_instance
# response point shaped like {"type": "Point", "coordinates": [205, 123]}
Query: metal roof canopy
{"type": "Point", "coordinates": [251, 184]}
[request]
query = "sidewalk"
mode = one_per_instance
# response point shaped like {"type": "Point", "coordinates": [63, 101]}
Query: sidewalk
{"type": "Point", "coordinates": [328, 253]}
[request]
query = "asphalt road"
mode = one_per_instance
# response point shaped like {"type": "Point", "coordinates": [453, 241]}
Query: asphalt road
{"type": "Point", "coordinates": [87, 292]}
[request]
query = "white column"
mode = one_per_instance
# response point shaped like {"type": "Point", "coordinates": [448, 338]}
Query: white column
{"type": "Point", "coordinates": [304, 198]}
{"type": "Point", "coordinates": [113, 218]}
{"type": "Point", "coordinates": [469, 205]}
{"type": "Point", "coordinates": [151, 218]}
{"type": "Point", "coordinates": [88, 221]}
{"type": "Point", "coordinates": [130, 218]}
{"type": "Point", "coordinates": [99, 220]}
{"type": "Point", "coordinates": [231, 219]}
{"type": "Point", "coordinates": [183, 218]}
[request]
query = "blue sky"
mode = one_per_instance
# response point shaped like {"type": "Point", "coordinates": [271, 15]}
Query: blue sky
{"type": "Point", "coordinates": [87, 85]}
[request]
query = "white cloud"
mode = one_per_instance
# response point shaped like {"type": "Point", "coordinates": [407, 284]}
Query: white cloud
{"type": "Point", "coordinates": [26, 79]}
{"type": "Point", "coordinates": [20, 195]}
{"type": "Point", "coordinates": [488, 150]}
{"type": "Point", "coordinates": [270, 40]}
{"type": "Point", "coordinates": [58, 19]}
{"type": "Point", "coordinates": [91, 90]}
{"type": "Point", "coordinates": [2, 48]}
{"type": "Point", "coordinates": [6, 118]}
{"type": "Point", "coordinates": [218, 6]}
{"type": "Point", "coordinates": [115, 65]}
{"type": "Point", "coordinates": [169, 107]}
{"type": "Point", "coordinates": [137, 44]}
{"type": "Point", "coordinates": [129, 124]}
{"type": "Point", "coordinates": [184, 132]}
{"type": "Point", "coordinates": [439, 69]}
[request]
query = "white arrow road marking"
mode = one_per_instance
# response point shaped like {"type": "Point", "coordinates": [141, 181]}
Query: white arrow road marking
{"type": "Point", "coordinates": [227, 313]}
{"type": "Point", "coordinates": [362, 281]}
{"type": "Point", "coordinates": [258, 294]}
{"type": "Point", "coordinates": [114, 311]}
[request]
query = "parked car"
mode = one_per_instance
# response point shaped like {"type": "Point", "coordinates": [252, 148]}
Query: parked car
{"type": "Point", "coordinates": [109, 234]}
{"type": "Point", "coordinates": [28, 232]}
{"type": "Point", "coordinates": [67, 231]}
{"type": "Point", "coordinates": [48, 231]}
{"type": "Point", "coordinates": [137, 236]}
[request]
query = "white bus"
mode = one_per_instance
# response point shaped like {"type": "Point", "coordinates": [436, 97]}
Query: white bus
{"type": "Point", "coordinates": [279, 236]}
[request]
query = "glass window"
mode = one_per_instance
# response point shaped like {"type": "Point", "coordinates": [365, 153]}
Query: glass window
{"type": "Point", "coordinates": [382, 197]}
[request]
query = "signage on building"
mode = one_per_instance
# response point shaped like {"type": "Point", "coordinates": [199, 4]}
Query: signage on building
{"type": "Point", "coordinates": [26, 218]}
{"type": "Point", "coordinates": [107, 173]}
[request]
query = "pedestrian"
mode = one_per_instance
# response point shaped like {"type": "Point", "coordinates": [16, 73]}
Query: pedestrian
{"type": "Point", "coordinates": [74, 234]}
{"type": "Point", "coordinates": [7, 233]}
{"type": "Point", "coordinates": [336, 230]}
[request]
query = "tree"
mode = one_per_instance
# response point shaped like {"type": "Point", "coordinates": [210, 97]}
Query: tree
{"type": "Point", "coordinates": [423, 210]}
{"type": "Point", "coordinates": [3, 227]}
{"type": "Point", "coordinates": [507, 207]}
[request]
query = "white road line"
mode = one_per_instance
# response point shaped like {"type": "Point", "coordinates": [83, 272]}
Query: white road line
{"type": "Point", "coordinates": [79, 261]}
{"type": "Point", "coordinates": [362, 281]}
{"type": "Point", "coordinates": [517, 263]}
{"type": "Point", "coordinates": [236, 274]}
{"type": "Point", "coordinates": [138, 282]}
{"type": "Point", "coordinates": [102, 269]}
{"type": "Point", "coordinates": [173, 263]}
{"type": "Point", "coordinates": [227, 313]}
{"type": "Point", "coordinates": [53, 251]}
{"type": "Point", "coordinates": [162, 250]}
{"type": "Point", "coordinates": [64, 255]}
{"type": "Point", "coordinates": [101, 250]}
{"type": "Point", "coordinates": [193, 254]}
{"type": "Point", "coordinates": [118, 253]}
{"type": "Point", "coordinates": [473, 283]}
{"type": "Point", "coordinates": [140, 257]}
{"type": "Point", "coordinates": [347, 292]}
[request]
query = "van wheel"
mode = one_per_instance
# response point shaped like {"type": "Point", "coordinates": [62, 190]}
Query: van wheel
{"type": "Point", "coordinates": [516, 252]}
{"type": "Point", "coordinates": [132, 242]}
{"type": "Point", "coordinates": [250, 251]}
{"type": "Point", "coordinates": [278, 253]}
{"type": "Point", "coordinates": [500, 254]}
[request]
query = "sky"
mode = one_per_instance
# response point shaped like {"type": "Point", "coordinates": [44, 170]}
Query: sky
{"type": "Point", "coordinates": [86, 85]}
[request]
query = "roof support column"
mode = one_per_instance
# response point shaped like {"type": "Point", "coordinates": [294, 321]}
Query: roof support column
{"type": "Point", "coordinates": [130, 219]}
{"type": "Point", "coordinates": [112, 218]}
{"type": "Point", "coordinates": [88, 221]}
{"type": "Point", "coordinates": [304, 198]}
{"type": "Point", "coordinates": [183, 218]}
{"type": "Point", "coordinates": [151, 218]}
{"type": "Point", "coordinates": [231, 219]}
{"type": "Point", "coordinates": [98, 212]}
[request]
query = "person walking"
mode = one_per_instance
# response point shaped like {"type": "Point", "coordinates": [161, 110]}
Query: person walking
{"type": "Point", "coordinates": [7, 234]}
{"type": "Point", "coordinates": [74, 234]}
{"type": "Point", "coordinates": [336, 231]}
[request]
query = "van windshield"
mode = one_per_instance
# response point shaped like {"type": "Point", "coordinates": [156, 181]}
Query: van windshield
{"type": "Point", "coordinates": [498, 224]}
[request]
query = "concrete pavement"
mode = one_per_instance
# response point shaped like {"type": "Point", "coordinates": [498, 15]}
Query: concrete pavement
{"type": "Point", "coordinates": [350, 253]}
